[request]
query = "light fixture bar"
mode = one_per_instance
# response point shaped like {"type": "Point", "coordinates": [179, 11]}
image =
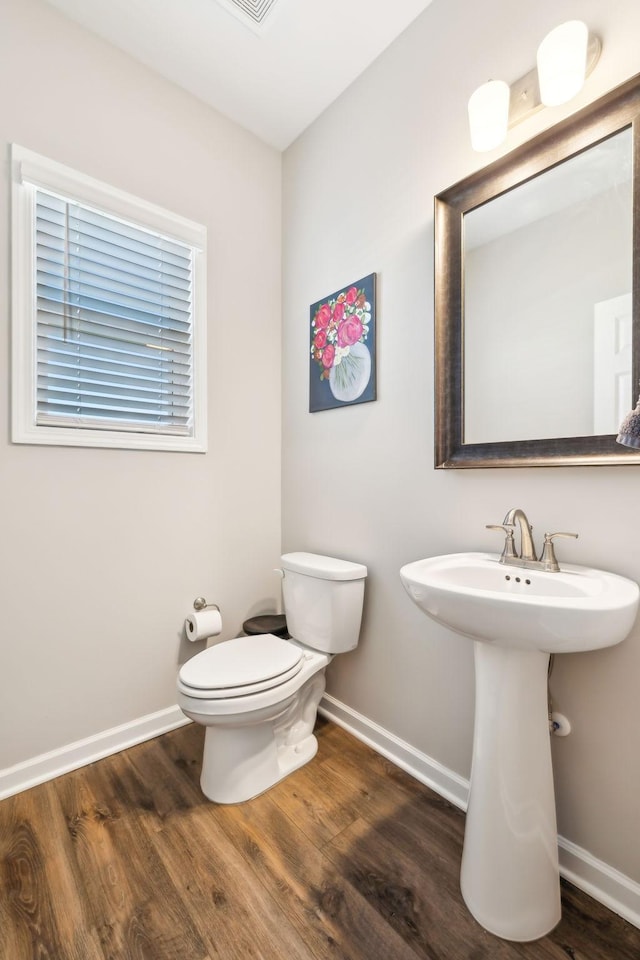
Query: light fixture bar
{"type": "Point", "coordinates": [485, 108]}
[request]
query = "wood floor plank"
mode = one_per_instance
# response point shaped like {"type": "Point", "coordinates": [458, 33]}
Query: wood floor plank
{"type": "Point", "coordinates": [589, 931]}
{"type": "Point", "coordinates": [416, 886]}
{"type": "Point", "coordinates": [128, 893]}
{"type": "Point", "coordinates": [410, 894]}
{"type": "Point", "coordinates": [40, 913]}
{"type": "Point", "coordinates": [319, 803]}
{"type": "Point", "coordinates": [332, 918]}
{"type": "Point", "coordinates": [185, 747]}
{"type": "Point", "coordinates": [363, 769]}
{"type": "Point", "coordinates": [234, 913]}
{"type": "Point", "coordinates": [388, 796]}
{"type": "Point", "coordinates": [156, 782]}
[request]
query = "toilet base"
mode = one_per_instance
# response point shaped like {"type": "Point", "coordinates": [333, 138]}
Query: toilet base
{"type": "Point", "coordinates": [244, 755]}
{"type": "Point", "coordinates": [247, 784]}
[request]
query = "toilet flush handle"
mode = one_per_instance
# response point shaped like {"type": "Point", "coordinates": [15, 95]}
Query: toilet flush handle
{"type": "Point", "coordinates": [279, 571]}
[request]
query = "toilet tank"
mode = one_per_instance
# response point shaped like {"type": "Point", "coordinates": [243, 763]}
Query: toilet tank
{"type": "Point", "coordinates": [323, 600]}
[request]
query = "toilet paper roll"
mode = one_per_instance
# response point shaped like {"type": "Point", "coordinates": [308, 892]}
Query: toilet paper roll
{"type": "Point", "coordinates": [203, 624]}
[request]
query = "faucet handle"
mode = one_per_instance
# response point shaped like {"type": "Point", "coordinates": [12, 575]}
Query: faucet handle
{"type": "Point", "coordinates": [548, 558]}
{"type": "Point", "coordinates": [509, 549]}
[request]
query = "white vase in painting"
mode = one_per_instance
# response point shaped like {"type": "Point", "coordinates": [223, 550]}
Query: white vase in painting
{"type": "Point", "coordinates": [349, 378]}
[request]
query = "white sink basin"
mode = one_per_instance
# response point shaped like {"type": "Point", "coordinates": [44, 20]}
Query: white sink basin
{"type": "Point", "coordinates": [474, 594]}
{"type": "Point", "coordinates": [517, 617]}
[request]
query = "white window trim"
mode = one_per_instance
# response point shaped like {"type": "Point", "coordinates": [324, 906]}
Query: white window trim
{"type": "Point", "coordinates": [31, 170]}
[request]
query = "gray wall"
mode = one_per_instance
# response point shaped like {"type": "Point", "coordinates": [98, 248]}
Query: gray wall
{"type": "Point", "coordinates": [359, 482]}
{"type": "Point", "coordinates": [103, 551]}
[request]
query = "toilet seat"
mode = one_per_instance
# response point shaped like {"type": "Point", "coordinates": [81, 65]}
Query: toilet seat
{"type": "Point", "coordinates": [237, 668]}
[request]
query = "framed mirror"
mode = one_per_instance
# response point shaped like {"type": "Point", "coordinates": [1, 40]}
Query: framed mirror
{"type": "Point", "coordinates": [537, 297]}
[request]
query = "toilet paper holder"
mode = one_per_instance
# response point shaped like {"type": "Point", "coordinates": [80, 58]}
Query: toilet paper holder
{"type": "Point", "coordinates": [201, 604]}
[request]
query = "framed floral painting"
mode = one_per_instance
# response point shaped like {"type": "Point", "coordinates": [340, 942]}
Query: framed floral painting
{"type": "Point", "coordinates": [343, 347]}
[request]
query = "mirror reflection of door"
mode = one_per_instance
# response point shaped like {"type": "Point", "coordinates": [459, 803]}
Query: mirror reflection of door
{"type": "Point", "coordinates": [612, 342]}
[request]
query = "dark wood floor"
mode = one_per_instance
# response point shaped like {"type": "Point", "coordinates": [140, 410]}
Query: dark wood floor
{"type": "Point", "coordinates": [349, 859]}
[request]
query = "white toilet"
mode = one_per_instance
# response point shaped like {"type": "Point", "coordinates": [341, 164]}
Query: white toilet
{"type": "Point", "coordinates": [258, 696]}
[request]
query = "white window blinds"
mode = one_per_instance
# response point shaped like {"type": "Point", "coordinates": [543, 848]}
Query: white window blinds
{"type": "Point", "coordinates": [109, 315]}
{"type": "Point", "coordinates": [114, 322]}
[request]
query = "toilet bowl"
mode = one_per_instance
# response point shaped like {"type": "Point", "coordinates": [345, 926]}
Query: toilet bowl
{"type": "Point", "coordinates": [258, 696]}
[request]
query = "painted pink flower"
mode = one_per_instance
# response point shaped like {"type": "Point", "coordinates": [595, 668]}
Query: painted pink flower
{"type": "Point", "coordinates": [339, 322]}
{"type": "Point", "coordinates": [338, 312]}
{"type": "Point", "coordinates": [349, 332]}
{"type": "Point", "coordinates": [323, 316]}
{"type": "Point", "coordinates": [328, 355]}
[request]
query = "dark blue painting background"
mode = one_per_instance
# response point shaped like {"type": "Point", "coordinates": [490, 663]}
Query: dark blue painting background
{"type": "Point", "coordinates": [320, 396]}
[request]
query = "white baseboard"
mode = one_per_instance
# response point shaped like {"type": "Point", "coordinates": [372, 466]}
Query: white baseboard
{"type": "Point", "coordinates": [47, 766]}
{"type": "Point", "coordinates": [602, 882]}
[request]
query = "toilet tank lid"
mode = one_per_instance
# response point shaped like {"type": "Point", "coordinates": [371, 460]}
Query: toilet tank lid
{"type": "Point", "coordinates": [325, 568]}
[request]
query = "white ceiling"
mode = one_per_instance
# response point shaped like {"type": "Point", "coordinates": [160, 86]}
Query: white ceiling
{"type": "Point", "coordinates": [274, 82]}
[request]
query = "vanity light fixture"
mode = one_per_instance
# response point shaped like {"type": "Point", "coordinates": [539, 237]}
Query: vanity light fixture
{"type": "Point", "coordinates": [629, 432]}
{"type": "Point", "coordinates": [566, 56]}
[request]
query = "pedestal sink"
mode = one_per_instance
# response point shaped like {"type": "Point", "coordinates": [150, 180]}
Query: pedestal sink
{"type": "Point", "coordinates": [516, 617]}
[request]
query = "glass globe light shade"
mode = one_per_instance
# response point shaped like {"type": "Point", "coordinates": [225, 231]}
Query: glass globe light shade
{"type": "Point", "coordinates": [489, 115]}
{"type": "Point", "coordinates": [562, 62]}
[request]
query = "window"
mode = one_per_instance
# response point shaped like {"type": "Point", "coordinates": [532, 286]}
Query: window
{"type": "Point", "coordinates": [109, 330]}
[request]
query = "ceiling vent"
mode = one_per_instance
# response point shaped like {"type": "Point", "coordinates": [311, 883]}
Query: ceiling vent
{"type": "Point", "coordinates": [252, 13]}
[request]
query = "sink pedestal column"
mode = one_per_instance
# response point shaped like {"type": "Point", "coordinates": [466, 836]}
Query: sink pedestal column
{"type": "Point", "coordinates": [509, 879]}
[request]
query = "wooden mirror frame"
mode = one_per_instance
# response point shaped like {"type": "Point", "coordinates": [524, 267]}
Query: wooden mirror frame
{"type": "Point", "coordinates": [612, 113]}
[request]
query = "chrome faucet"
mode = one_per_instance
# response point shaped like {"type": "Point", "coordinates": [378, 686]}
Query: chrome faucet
{"type": "Point", "coordinates": [527, 548]}
{"type": "Point", "coordinates": [527, 556]}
